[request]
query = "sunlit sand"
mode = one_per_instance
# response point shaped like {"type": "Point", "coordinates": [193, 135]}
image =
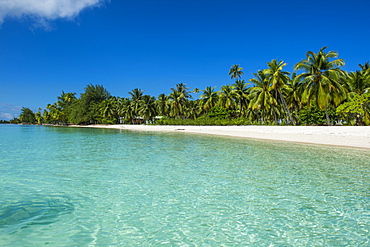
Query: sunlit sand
{"type": "Point", "coordinates": [349, 136]}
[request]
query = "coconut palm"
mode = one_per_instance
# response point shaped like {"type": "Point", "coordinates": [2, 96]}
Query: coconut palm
{"type": "Point", "coordinates": [321, 79]}
{"type": "Point", "coordinates": [235, 72]}
{"type": "Point", "coordinates": [261, 96]}
{"type": "Point", "coordinates": [148, 109]}
{"type": "Point", "coordinates": [193, 109]}
{"type": "Point", "coordinates": [227, 97]}
{"type": "Point", "coordinates": [177, 102]}
{"type": "Point", "coordinates": [109, 109]}
{"type": "Point", "coordinates": [136, 99]}
{"type": "Point", "coordinates": [182, 88]}
{"type": "Point", "coordinates": [359, 82]}
{"type": "Point", "coordinates": [293, 97]}
{"type": "Point", "coordinates": [241, 94]}
{"type": "Point", "coordinates": [162, 104]}
{"type": "Point", "coordinates": [209, 98]}
{"type": "Point", "coordinates": [278, 80]}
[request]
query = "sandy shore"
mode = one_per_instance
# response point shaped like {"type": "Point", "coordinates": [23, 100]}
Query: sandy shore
{"type": "Point", "coordinates": [348, 136]}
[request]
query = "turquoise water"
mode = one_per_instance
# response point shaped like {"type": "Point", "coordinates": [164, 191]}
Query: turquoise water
{"type": "Point", "coordinates": [99, 187]}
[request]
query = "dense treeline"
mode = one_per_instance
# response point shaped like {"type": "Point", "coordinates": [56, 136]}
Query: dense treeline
{"type": "Point", "coordinates": [318, 92]}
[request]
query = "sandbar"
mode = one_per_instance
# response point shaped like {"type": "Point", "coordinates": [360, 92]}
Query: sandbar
{"type": "Point", "coordinates": [347, 136]}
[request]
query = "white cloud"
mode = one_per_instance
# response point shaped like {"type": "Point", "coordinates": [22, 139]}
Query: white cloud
{"type": "Point", "coordinates": [42, 11]}
{"type": "Point", "coordinates": [8, 111]}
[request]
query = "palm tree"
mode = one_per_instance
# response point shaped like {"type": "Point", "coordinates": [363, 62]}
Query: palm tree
{"type": "Point", "coordinates": [235, 72]}
{"type": "Point", "coordinates": [148, 109]}
{"type": "Point", "coordinates": [193, 109]}
{"type": "Point", "coordinates": [261, 96]}
{"type": "Point", "coordinates": [126, 109]}
{"type": "Point", "coordinates": [177, 101]}
{"type": "Point", "coordinates": [109, 109]}
{"type": "Point", "coordinates": [178, 98]}
{"type": "Point", "coordinates": [241, 93]}
{"type": "Point", "coordinates": [162, 104]}
{"type": "Point", "coordinates": [209, 98]}
{"type": "Point", "coordinates": [136, 99]}
{"type": "Point", "coordinates": [321, 79]}
{"type": "Point", "coordinates": [278, 80]}
{"type": "Point", "coordinates": [294, 93]}
{"type": "Point", "coordinates": [359, 81]}
{"type": "Point", "coordinates": [227, 97]}
{"type": "Point", "coordinates": [196, 91]}
{"type": "Point", "coordinates": [182, 88]}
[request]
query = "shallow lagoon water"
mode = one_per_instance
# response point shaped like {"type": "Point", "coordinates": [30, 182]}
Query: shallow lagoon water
{"type": "Point", "coordinates": [103, 187]}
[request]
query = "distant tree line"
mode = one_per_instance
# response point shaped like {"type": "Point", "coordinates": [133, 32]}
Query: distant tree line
{"type": "Point", "coordinates": [318, 92]}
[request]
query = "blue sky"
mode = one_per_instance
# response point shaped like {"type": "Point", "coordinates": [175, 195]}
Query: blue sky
{"type": "Point", "coordinates": [155, 44]}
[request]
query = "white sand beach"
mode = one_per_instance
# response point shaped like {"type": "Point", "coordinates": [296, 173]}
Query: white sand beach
{"type": "Point", "coordinates": [348, 136]}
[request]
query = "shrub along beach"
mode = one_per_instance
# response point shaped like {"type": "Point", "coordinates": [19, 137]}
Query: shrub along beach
{"type": "Point", "coordinates": [318, 92]}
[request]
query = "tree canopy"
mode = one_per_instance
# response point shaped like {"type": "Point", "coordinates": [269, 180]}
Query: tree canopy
{"type": "Point", "coordinates": [317, 92]}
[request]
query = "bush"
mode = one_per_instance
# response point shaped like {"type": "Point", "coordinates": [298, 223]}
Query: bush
{"type": "Point", "coordinates": [204, 121]}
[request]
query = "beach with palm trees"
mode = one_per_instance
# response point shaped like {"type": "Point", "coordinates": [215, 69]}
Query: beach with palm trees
{"type": "Point", "coordinates": [318, 96]}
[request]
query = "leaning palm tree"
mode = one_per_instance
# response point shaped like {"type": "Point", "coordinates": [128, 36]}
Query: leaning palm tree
{"type": "Point", "coordinates": [278, 80]}
{"type": "Point", "coordinates": [235, 72]}
{"type": "Point", "coordinates": [321, 79]}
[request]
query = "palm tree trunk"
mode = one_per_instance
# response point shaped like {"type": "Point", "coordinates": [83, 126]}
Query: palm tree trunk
{"type": "Point", "coordinates": [286, 108]}
{"type": "Point", "coordinates": [327, 116]}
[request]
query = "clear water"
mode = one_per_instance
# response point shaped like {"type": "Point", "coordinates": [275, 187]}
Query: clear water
{"type": "Point", "coordinates": [99, 187]}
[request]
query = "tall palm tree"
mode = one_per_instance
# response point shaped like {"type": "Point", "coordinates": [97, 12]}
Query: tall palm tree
{"type": "Point", "coordinates": [278, 80]}
{"type": "Point", "coordinates": [177, 102]}
{"type": "Point", "coordinates": [182, 88]}
{"type": "Point", "coordinates": [293, 98]}
{"type": "Point", "coordinates": [358, 82]}
{"type": "Point", "coordinates": [193, 109]}
{"type": "Point", "coordinates": [136, 99]}
{"type": "Point", "coordinates": [109, 109]}
{"type": "Point", "coordinates": [196, 91]}
{"type": "Point", "coordinates": [162, 104]}
{"type": "Point", "coordinates": [235, 72]}
{"type": "Point", "coordinates": [209, 98]}
{"type": "Point", "coordinates": [227, 97]}
{"type": "Point", "coordinates": [148, 109]}
{"type": "Point", "coordinates": [261, 96]}
{"type": "Point", "coordinates": [321, 79]}
{"type": "Point", "coordinates": [241, 93]}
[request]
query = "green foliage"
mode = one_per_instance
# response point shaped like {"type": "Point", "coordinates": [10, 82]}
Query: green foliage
{"type": "Point", "coordinates": [204, 121]}
{"type": "Point", "coordinates": [358, 107]}
{"type": "Point", "coordinates": [274, 98]}
{"type": "Point", "coordinates": [27, 116]}
{"type": "Point", "coordinates": [218, 112]}
{"type": "Point", "coordinates": [312, 115]}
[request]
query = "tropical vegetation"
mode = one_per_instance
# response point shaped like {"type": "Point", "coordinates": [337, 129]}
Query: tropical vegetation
{"type": "Point", "coordinates": [317, 92]}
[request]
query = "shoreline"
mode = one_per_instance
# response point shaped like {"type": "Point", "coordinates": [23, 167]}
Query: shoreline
{"type": "Point", "coordinates": [345, 136]}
